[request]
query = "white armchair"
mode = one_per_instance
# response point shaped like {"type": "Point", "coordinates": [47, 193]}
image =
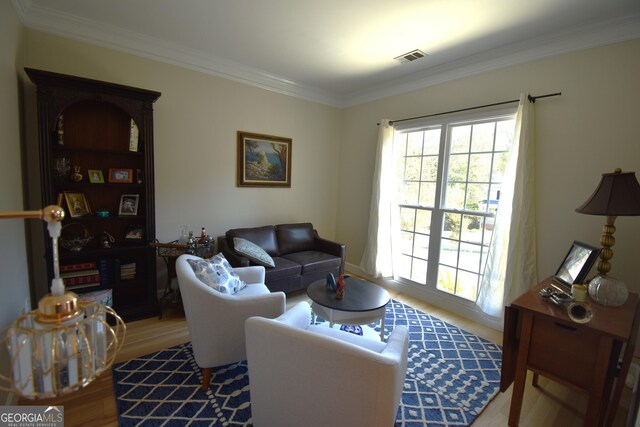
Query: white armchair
{"type": "Point", "coordinates": [216, 320]}
{"type": "Point", "coordinates": [309, 375]}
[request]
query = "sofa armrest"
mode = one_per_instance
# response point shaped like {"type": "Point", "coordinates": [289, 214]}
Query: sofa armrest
{"type": "Point", "coordinates": [332, 248]}
{"type": "Point", "coordinates": [230, 254]}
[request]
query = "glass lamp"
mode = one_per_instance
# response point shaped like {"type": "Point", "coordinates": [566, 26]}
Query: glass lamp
{"type": "Point", "coordinates": [618, 194]}
{"type": "Point", "coordinates": [65, 344]}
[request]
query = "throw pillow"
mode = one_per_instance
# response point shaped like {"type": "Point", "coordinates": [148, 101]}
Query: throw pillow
{"type": "Point", "coordinates": [217, 273]}
{"type": "Point", "coordinates": [252, 251]}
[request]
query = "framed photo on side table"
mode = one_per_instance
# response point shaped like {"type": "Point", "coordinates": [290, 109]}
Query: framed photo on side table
{"type": "Point", "coordinates": [576, 264]}
{"type": "Point", "coordinates": [129, 204]}
{"type": "Point", "coordinates": [263, 160]}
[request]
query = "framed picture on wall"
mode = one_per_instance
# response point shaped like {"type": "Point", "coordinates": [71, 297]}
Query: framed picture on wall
{"type": "Point", "coordinates": [263, 160]}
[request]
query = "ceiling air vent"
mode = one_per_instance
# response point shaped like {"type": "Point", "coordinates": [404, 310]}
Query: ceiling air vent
{"type": "Point", "coordinates": [410, 56]}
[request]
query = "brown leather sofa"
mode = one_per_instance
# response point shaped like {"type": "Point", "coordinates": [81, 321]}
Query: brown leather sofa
{"type": "Point", "coordinates": [300, 255]}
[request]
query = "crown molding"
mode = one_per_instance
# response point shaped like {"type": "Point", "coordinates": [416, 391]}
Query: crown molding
{"type": "Point", "coordinates": [586, 37]}
{"type": "Point", "coordinates": [66, 25]}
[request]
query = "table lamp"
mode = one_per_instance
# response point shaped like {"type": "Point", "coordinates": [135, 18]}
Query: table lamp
{"type": "Point", "coordinates": [66, 343]}
{"type": "Point", "coordinates": [618, 194]}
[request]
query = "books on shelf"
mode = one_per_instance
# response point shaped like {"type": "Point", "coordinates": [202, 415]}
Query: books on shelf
{"type": "Point", "coordinates": [128, 271]}
{"type": "Point", "coordinates": [66, 268]}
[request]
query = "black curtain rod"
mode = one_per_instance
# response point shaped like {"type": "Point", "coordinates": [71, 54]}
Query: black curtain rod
{"type": "Point", "coordinates": [532, 99]}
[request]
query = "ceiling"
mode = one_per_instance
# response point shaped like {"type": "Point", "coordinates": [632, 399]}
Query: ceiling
{"type": "Point", "coordinates": [338, 52]}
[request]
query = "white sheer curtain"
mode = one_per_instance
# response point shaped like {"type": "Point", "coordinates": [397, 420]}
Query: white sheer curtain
{"type": "Point", "coordinates": [511, 266]}
{"type": "Point", "coordinates": [377, 259]}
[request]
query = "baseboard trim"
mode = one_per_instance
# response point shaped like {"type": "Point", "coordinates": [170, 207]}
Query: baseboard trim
{"type": "Point", "coordinates": [456, 305]}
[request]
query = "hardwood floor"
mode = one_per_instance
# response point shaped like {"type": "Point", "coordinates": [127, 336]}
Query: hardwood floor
{"type": "Point", "coordinates": [549, 405]}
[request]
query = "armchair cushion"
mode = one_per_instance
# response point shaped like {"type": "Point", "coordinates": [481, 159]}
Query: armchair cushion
{"type": "Point", "coordinates": [217, 273]}
{"type": "Point", "coordinates": [252, 251]}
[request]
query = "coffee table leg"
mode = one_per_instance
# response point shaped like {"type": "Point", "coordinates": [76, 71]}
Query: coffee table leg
{"type": "Point", "coordinates": [382, 328]}
{"type": "Point", "coordinates": [330, 318]}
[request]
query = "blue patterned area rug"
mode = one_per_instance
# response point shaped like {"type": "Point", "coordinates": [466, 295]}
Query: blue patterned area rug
{"type": "Point", "coordinates": [451, 377]}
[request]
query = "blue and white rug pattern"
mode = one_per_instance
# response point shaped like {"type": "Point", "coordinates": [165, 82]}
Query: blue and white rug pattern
{"type": "Point", "coordinates": [451, 377]}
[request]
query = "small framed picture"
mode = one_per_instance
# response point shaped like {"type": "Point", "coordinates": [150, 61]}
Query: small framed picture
{"type": "Point", "coordinates": [134, 232]}
{"type": "Point", "coordinates": [129, 204]}
{"type": "Point", "coordinates": [77, 204]}
{"type": "Point", "coordinates": [121, 175]}
{"type": "Point", "coordinates": [576, 264]}
{"type": "Point", "coordinates": [95, 176]}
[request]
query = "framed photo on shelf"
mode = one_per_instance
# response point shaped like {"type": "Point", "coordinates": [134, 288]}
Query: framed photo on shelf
{"type": "Point", "coordinates": [77, 204]}
{"type": "Point", "coordinates": [95, 176]}
{"type": "Point", "coordinates": [263, 160]}
{"type": "Point", "coordinates": [129, 204]}
{"type": "Point", "coordinates": [134, 232]}
{"type": "Point", "coordinates": [121, 175]}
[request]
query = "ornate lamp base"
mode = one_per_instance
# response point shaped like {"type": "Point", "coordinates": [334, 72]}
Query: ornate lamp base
{"type": "Point", "coordinates": [607, 290]}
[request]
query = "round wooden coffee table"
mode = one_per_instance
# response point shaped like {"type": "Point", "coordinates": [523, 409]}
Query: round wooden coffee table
{"type": "Point", "coordinates": [363, 303]}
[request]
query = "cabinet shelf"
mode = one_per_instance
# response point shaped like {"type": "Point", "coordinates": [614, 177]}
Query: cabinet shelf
{"type": "Point", "coordinates": [88, 125]}
{"type": "Point", "coordinates": [61, 150]}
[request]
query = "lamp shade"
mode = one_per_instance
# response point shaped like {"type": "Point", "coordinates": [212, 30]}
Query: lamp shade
{"type": "Point", "coordinates": [618, 194]}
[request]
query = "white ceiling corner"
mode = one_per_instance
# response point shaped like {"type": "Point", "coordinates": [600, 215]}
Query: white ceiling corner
{"type": "Point", "coordinates": [338, 77]}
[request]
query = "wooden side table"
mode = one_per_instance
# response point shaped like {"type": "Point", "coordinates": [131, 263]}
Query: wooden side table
{"type": "Point", "coordinates": [539, 336]}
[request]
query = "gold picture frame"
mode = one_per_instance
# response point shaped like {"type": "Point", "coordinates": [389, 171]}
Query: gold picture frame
{"type": "Point", "coordinates": [263, 160]}
{"type": "Point", "coordinates": [95, 176]}
{"type": "Point", "coordinates": [77, 204]}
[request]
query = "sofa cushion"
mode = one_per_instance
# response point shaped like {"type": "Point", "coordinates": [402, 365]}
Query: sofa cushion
{"type": "Point", "coordinates": [314, 261]}
{"type": "Point", "coordinates": [284, 268]}
{"type": "Point", "coordinates": [252, 251]}
{"type": "Point", "coordinates": [217, 273]}
{"type": "Point", "coordinates": [265, 237]}
{"type": "Point", "coordinates": [295, 237]}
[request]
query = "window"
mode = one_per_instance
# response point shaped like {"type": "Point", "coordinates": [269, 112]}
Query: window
{"type": "Point", "coordinates": [449, 177]}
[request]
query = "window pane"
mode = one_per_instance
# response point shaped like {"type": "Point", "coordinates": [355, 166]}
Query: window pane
{"type": "Point", "coordinates": [467, 285]}
{"type": "Point", "coordinates": [403, 267]}
{"type": "Point", "coordinates": [432, 141]}
{"type": "Point", "coordinates": [458, 165]}
{"type": "Point", "coordinates": [482, 139]}
{"type": "Point", "coordinates": [447, 279]}
{"type": "Point", "coordinates": [429, 168]}
{"type": "Point", "coordinates": [409, 194]}
{"type": "Point", "coordinates": [414, 144]}
{"type": "Point", "coordinates": [407, 216]}
{"type": "Point", "coordinates": [419, 271]}
{"type": "Point", "coordinates": [423, 222]}
{"type": "Point", "coordinates": [476, 194]}
{"type": "Point", "coordinates": [451, 226]}
{"type": "Point", "coordinates": [504, 134]}
{"type": "Point", "coordinates": [480, 167]}
{"type": "Point", "coordinates": [412, 171]}
{"type": "Point", "coordinates": [421, 246]}
{"type": "Point", "coordinates": [455, 196]}
{"type": "Point", "coordinates": [406, 243]}
{"type": "Point", "coordinates": [449, 252]}
{"type": "Point", "coordinates": [428, 194]}
{"type": "Point", "coordinates": [471, 229]}
{"type": "Point", "coordinates": [499, 166]}
{"type": "Point", "coordinates": [460, 139]}
{"type": "Point", "coordinates": [469, 257]}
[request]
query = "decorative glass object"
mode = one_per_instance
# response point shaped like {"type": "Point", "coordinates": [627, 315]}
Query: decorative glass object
{"type": "Point", "coordinates": [608, 290]}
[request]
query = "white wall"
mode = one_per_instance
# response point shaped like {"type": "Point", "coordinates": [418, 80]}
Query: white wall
{"type": "Point", "coordinates": [591, 129]}
{"type": "Point", "coordinates": [196, 120]}
{"type": "Point", "coordinates": [14, 279]}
